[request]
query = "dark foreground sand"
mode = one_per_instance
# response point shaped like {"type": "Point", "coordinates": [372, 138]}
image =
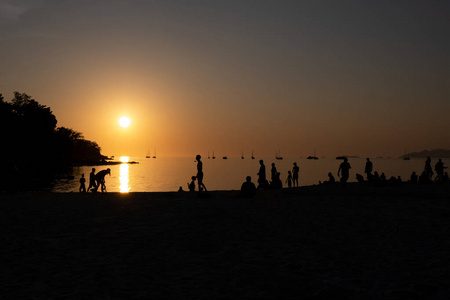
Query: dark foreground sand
{"type": "Point", "coordinates": [309, 243]}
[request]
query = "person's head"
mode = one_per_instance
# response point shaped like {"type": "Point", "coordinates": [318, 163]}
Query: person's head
{"type": "Point", "coordinates": [248, 179]}
{"type": "Point", "coordinates": [329, 174]}
{"type": "Point", "coordinates": [440, 160]}
{"type": "Point", "coordinates": [295, 164]}
{"type": "Point", "coordinates": [273, 164]}
{"type": "Point", "coordinates": [82, 174]}
{"type": "Point", "coordinates": [368, 159]}
{"type": "Point", "coordinates": [93, 169]}
{"type": "Point", "coordinates": [261, 162]}
{"type": "Point", "coordinates": [345, 159]}
{"type": "Point", "coordinates": [108, 171]}
{"type": "Point", "coordinates": [289, 172]}
{"type": "Point", "coordinates": [193, 178]}
{"type": "Point", "coordinates": [198, 157]}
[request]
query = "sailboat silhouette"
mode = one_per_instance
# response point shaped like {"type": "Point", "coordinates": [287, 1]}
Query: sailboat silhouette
{"type": "Point", "coordinates": [252, 155]}
{"type": "Point", "coordinates": [278, 156]}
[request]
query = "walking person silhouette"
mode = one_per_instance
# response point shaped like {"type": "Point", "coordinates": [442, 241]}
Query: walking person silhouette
{"type": "Point", "coordinates": [92, 183]}
{"type": "Point", "coordinates": [199, 176]}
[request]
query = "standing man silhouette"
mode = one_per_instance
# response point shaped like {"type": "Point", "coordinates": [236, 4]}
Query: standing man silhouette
{"type": "Point", "coordinates": [295, 171]}
{"type": "Point", "coordinates": [262, 175]}
{"type": "Point", "coordinates": [92, 183]}
{"type": "Point", "coordinates": [200, 173]}
{"type": "Point", "coordinates": [344, 170]}
{"type": "Point", "coordinates": [368, 169]}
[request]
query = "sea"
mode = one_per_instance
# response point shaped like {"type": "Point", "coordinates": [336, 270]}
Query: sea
{"type": "Point", "coordinates": [164, 174]}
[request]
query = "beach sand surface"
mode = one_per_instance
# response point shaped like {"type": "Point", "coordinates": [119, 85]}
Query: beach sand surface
{"type": "Point", "coordinates": [318, 242]}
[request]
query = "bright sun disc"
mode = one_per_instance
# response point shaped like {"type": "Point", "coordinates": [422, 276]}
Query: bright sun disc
{"type": "Point", "coordinates": [124, 122]}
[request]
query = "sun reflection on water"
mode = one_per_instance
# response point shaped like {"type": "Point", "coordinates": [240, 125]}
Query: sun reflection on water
{"type": "Point", "coordinates": [123, 177]}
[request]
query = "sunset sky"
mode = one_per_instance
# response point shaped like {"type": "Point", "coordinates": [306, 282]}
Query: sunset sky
{"type": "Point", "coordinates": [367, 78]}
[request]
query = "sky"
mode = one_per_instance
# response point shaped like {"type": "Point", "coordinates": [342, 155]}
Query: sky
{"type": "Point", "coordinates": [365, 78]}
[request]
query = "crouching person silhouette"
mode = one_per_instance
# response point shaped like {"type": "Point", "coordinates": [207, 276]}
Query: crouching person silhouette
{"type": "Point", "coordinates": [100, 179]}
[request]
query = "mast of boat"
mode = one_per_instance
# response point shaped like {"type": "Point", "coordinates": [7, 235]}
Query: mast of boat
{"type": "Point", "coordinates": [252, 155]}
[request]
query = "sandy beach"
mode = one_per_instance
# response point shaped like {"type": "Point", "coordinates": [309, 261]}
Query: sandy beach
{"type": "Point", "coordinates": [318, 242]}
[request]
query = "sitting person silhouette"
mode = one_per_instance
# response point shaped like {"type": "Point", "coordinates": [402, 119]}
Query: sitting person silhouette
{"type": "Point", "coordinates": [191, 186]}
{"type": "Point", "coordinates": [248, 188]}
{"type": "Point", "coordinates": [100, 179]}
{"type": "Point", "coordinates": [359, 178]}
{"type": "Point", "coordinates": [330, 179]}
{"type": "Point", "coordinates": [276, 182]}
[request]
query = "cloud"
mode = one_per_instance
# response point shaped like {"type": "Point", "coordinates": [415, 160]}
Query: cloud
{"type": "Point", "coordinates": [13, 10]}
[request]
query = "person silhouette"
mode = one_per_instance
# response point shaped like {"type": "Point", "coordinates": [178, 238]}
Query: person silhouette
{"type": "Point", "coordinates": [289, 179]}
{"type": "Point", "coordinates": [295, 171]}
{"type": "Point", "coordinates": [199, 176]}
{"type": "Point", "coordinates": [82, 184]}
{"type": "Point", "coordinates": [428, 170]}
{"type": "Point", "coordinates": [439, 168]}
{"type": "Point", "coordinates": [359, 178]}
{"type": "Point", "coordinates": [276, 182]}
{"type": "Point", "coordinates": [92, 183]}
{"type": "Point", "coordinates": [248, 188]}
{"type": "Point", "coordinates": [191, 186]}
{"type": "Point", "coordinates": [273, 172]}
{"type": "Point", "coordinates": [413, 178]}
{"type": "Point", "coordinates": [100, 179]}
{"type": "Point", "coordinates": [344, 170]}
{"type": "Point", "coordinates": [368, 168]}
{"type": "Point", "coordinates": [262, 181]}
{"type": "Point", "coordinates": [330, 179]}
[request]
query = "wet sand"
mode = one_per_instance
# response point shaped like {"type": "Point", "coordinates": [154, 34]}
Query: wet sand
{"type": "Point", "coordinates": [320, 242]}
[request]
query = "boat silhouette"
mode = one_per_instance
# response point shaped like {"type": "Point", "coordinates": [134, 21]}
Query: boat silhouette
{"type": "Point", "coordinates": [278, 156]}
{"type": "Point", "coordinates": [314, 156]}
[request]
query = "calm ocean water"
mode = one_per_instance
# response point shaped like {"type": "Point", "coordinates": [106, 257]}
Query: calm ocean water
{"type": "Point", "coordinates": [168, 174]}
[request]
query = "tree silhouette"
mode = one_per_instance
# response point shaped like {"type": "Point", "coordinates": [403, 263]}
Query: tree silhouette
{"type": "Point", "coordinates": [31, 141]}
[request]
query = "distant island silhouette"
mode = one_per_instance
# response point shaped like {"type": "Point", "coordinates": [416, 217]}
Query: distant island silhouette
{"type": "Point", "coordinates": [436, 153]}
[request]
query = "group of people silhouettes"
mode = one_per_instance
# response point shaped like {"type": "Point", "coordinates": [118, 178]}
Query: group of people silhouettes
{"type": "Point", "coordinates": [95, 181]}
{"type": "Point", "coordinates": [248, 188]}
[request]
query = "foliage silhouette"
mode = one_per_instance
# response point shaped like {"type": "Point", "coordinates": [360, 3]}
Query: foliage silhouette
{"type": "Point", "coordinates": [31, 141]}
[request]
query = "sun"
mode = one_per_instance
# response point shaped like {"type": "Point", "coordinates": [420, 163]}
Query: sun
{"type": "Point", "coordinates": [124, 122]}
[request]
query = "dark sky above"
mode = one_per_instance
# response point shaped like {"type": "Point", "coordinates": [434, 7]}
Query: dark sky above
{"type": "Point", "coordinates": [343, 77]}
